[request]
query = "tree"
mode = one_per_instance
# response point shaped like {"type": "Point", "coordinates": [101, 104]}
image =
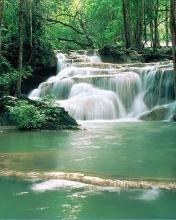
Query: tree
{"type": "Point", "coordinates": [156, 41]}
{"type": "Point", "coordinates": [1, 19]}
{"type": "Point", "coordinates": [139, 26]}
{"type": "Point", "coordinates": [173, 33]}
{"type": "Point", "coordinates": [167, 22]}
{"type": "Point", "coordinates": [173, 29]}
{"type": "Point", "coordinates": [29, 25]}
{"type": "Point", "coordinates": [127, 25]}
{"type": "Point", "coordinates": [20, 48]}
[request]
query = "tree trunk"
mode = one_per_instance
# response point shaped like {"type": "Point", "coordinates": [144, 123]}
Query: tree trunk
{"type": "Point", "coordinates": [167, 24]}
{"type": "Point", "coordinates": [29, 25]}
{"type": "Point", "coordinates": [1, 19]}
{"type": "Point", "coordinates": [145, 24]}
{"type": "Point", "coordinates": [173, 33]}
{"type": "Point", "coordinates": [173, 30]}
{"type": "Point", "coordinates": [139, 24]}
{"type": "Point", "coordinates": [156, 42]}
{"type": "Point", "coordinates": [20, 48]}
{"type": "Point", "coordinates": [151, 33]}
{"type": "Point", "coordinates": [126, 17]}
{"type": "Point", "coordinates": [151, 18]}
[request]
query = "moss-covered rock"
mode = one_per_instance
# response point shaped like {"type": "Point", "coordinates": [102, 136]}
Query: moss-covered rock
{"type": "Point", "coordinates": [53, 117]}
{"type": "Point", "coordinates": [117, 54]}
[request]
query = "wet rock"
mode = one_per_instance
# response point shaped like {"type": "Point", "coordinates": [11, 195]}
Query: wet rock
{"type": "Point", "coordinates": [173, 118]}
{"type": "Point", "coordinates": [156, 114]}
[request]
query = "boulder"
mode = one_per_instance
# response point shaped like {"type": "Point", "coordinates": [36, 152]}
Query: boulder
{"type": "Point", "coordinates": [55, 117]}
{"type": "Point", "coordinates": [156, 114]}
{"type": "Point", "coordinates": [133, 56]}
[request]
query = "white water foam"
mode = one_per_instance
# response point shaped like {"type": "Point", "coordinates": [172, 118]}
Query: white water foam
{"type": "Point", "coordinates": [54, 184]}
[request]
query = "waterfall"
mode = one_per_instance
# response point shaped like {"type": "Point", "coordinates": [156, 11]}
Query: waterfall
{"type": "Point", "coordinates": [92, 90]}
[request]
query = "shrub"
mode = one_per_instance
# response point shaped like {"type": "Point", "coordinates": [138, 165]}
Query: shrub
{"type": "Point", "coordinates": [48, 99]}
{"type": "Point", "coordinates": [9, 76]}
{"type": "Point", "coordinates": [27, 116]}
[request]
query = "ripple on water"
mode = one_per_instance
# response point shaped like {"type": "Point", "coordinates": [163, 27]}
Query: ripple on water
{"type": "Point", "coordinates": [88, 147]}
{"type": "Point", "coordinates": [85, 158]}
{"type": "Point", "coordinates": [149, 195]}
{"type": "Point", "coordinates": [21, 193]}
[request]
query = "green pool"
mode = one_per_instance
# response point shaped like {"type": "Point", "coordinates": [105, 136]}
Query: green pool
{"type": "Point", "coordinates": [126, 150]}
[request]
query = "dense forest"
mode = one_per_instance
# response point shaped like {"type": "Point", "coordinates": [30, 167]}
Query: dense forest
{"type": "Point", "coordinates": [31, 29]}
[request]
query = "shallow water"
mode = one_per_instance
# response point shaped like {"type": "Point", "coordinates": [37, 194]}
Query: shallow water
{"type": "Point", "coordinates": [72, 202]}
{"type": "Point", "coordinates": [127, 150]}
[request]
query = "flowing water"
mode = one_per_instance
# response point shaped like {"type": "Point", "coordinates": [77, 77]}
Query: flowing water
{"type": "Point", "coordinates": [92, 90]}
{"type": "Point", "coordinates": [113, 145]}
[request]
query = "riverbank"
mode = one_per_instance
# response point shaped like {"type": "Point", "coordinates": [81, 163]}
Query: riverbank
{"type": "Point", "coordinates": [120, 55]}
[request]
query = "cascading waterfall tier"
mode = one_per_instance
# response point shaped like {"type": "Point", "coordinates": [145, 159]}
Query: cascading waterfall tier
{"type": "Point", "coordinates": [91, 90]}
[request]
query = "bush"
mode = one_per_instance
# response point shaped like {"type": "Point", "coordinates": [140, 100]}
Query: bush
{"type": "Point", "coordinates": [27, 116]}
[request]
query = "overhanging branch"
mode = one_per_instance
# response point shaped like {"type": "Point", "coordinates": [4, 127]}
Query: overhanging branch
{"type": "Point", "coordinates": [65, 24]}
{"type": "Point", "coordinates": [74, 41]}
